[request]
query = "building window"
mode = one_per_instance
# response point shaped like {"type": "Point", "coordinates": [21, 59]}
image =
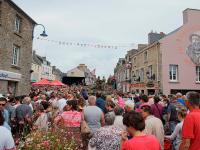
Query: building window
{"type": "Point", "coordinates": [135, 61]}
{"type": "Point", "coordinates": [150, 71]}
{"type": "Point", "coordinates": [137, 75]}
{"type": "Point", "coordinates": [15, 56]}
{"type": "Point", "coordinates": [173, 72]}
{"type": "Point", "coordinates": [142, 74]}
{"type": "Point", "coordinates": [18, 24]}
{"type": "Point", "coordinates": [197, 73]}
{"type": "Point", "coordinates": [145, 56]}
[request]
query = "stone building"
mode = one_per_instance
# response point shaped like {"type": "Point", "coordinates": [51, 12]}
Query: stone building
{"type": "Point", "coordinates": [145, 67]}
{"type": "Point", "coordinates": [123, 70]}
{"type": "Point", "coordinates": [16, 36]}
{"type": "Point", "coordinates": [120, 74]}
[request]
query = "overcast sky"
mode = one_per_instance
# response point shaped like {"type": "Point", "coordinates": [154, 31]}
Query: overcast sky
{"type": "Point", "coordinates": [110, 22]}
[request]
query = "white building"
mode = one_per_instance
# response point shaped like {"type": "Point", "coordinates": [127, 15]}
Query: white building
{"type": "Point", "coordinates": [41, 69]}
{"type": "Point", "coordinates": [36, 68]}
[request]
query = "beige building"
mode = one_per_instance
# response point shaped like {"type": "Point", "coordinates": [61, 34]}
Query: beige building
{"type": "Point", "coordinates": [79, 75]}
{"type": "Point", "coordinates": [123, 70]}
{"type": "Point", "coordinates": [41, 69]}
{"type": "Point", "coordinates": [36, 68]}
{"type": "Point", "coordinates": [120, 74]}
{"type": "Point", "coordinates": [16, 36]}
{"type": "Point", "coordinates": [145, 70]}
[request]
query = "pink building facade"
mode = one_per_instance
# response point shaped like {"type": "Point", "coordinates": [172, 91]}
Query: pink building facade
{"type": "Point", "coordinates": [180, 56]}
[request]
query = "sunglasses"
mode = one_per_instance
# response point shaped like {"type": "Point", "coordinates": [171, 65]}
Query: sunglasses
{"type": "Point", "coordinates": [2, 104]}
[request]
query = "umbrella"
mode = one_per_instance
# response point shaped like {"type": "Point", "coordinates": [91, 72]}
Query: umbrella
{"type": "Point", "coordinates": [42, 82]}
{"type": "Point", "coordinates": [56, 83]}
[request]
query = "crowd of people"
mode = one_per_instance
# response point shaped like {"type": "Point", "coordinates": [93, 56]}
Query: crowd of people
{"type": "Point", "coordinates": [103, 120]}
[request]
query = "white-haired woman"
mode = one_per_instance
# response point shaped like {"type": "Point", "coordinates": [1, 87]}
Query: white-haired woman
{"type": "Point", "coordinates": [107, 137]}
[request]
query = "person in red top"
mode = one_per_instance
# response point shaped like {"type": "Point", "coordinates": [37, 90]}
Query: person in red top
{"type": "Point", "coordinates": [70, 117]}
{"type": "Point", "coordinates": [191, 125]}
{"type": "Point", "coordinates": [135, 124]}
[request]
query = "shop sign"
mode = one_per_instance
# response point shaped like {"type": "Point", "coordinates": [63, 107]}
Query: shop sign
{"type": "Point", "coordinates": [138, 85]}
{"type": "Point", "coordinates": [7, 75]}
{"type": "Point", "coordinates": [150, 84]}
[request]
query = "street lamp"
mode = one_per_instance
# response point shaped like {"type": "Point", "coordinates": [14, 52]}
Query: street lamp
{"type": "Point", "coordinates": [134, 77]}
{"type": "Point", "coordinates": [43, 34]}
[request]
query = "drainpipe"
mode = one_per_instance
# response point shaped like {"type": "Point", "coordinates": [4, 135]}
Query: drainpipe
{"type": "Point", "coordinates": [158, 77]}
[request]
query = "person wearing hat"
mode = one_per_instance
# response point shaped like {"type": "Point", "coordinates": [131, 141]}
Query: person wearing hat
{"type": "Point", "coordinates": [153, 125]}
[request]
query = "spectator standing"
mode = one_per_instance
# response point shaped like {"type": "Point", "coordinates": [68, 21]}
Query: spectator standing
{"type": "Point", "coordinates": [110, 105]}
{"type": "Point", "coordinates": [119, 118]}
{"type": "Point", "coordinates": [180, 99]}
{"type": "Point", "coordinates": [120, 100]}
{"type": "Point", "coordinates": [172, 118]}
{"type": "Point", "coordinates": [100, 102]}
{"type": "Point", "coordinates": [176, 136]}
{"type": "Point", "coordinates": [135, 124]}
{"type": "Point", "coordinates": [6, 139]}
{"type": "Point", "coordinates": [157, 109]}
{"type": "Point", "coordinates": [94, 118]}
{"type": "Point", "coordinates": [129, 106]}
{"type": "Point", "coordinates": [93, 115]}
{"type": "Point", "coordinates": [4, 111]}
{"type": "Point", "coordinates": [61, 102]}
{"type": "Point", "coordinates": [107, 137]}
{"type": "Point", "coordinates": [153, 125]}
{"type": "Point", "coordinates": [24, 115]}
{"type": "Point", "coordinates": [42, 122]}
{"type": "Point", "coordinates": [143, 100]}
{"type": "Point", "coordinates": [191, 125]}
{"type": "Point", "coordinates": [70, 117]}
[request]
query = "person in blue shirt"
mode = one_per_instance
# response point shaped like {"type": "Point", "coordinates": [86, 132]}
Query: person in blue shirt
{"type": "Point", "coordinates": [179, 99]}
{"type": "Point", "coordinates": [100, 102]}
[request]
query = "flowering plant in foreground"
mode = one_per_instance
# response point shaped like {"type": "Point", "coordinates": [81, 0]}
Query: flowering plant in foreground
{"type": "Point", "coordinates": [53, 139]}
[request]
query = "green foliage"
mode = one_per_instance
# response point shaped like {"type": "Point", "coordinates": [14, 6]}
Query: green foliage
{"type": "Point", "coordinates": [54, 139]}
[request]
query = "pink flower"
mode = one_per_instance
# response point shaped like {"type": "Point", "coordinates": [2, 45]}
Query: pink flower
{"type": "Point", "coordinates": [46, 144]}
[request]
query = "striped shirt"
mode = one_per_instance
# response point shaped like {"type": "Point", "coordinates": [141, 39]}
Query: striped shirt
{"type": "Point", "coordinates": [71, 118]}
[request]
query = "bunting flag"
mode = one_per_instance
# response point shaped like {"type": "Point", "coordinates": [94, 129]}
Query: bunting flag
{"type": "Point", "coordinates": [82, 44]}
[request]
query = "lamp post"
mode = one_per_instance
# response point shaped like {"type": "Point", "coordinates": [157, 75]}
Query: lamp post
{"type": "Point", "coordinates": [43, 34]}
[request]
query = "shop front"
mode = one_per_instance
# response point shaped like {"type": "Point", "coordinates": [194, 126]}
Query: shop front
{"type": "Point", "coordinates": [9, 82]}
{"type": "Point", "coordinates": [149, 88]}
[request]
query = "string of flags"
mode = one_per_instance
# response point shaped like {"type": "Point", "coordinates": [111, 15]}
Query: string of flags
{"type": "Point", "coordinates": [82, 44]}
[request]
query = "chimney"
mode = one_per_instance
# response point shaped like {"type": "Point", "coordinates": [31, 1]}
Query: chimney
{"type": "Point", "coordinates": [153, 37]}
{"type": "Point", "coordinates": [191, 15]}
{"type": "Point", "coordinates": [44, 58]}
{"type": "Point", "coordinates": [185, 16]}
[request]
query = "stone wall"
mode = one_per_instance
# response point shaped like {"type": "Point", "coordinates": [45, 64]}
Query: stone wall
{"type": "Point", "coordinates": [23, 39]}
